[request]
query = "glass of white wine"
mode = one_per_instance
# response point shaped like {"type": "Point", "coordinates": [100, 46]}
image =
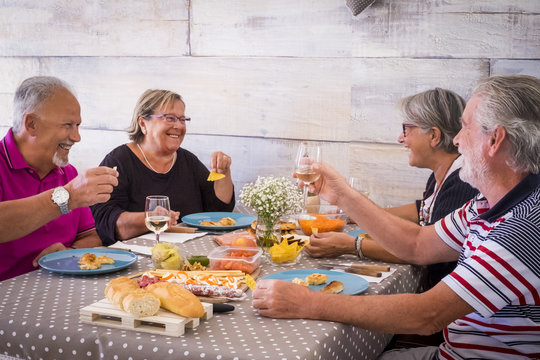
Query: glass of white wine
{"type": "Point", "coordinates": [158, 214]}
{"type": "Point", "coordinates": [307, 155]}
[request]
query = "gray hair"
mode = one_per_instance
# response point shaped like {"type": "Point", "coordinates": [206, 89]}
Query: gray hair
{"type": "Point", "coordinates": [31, 93]}
{"type": "Point", "coordinates": [149, 101]}
{"type": "Point", "coordinates": [438, 108]}
{"type": "Point", "coordinates": [513, 102]}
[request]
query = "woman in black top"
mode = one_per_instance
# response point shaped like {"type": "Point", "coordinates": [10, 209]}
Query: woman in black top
{"type": "Point", "coordinates": [431, 120]}
{"type": "Point", "coordinates": [154, 164]}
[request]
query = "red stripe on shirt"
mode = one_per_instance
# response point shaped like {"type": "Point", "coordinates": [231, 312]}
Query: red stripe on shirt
{"type": "Point", "coordinates": [515, 273]}
{"type": "Point", "coordinates": [475, 292]}
{"type": "Point", "coordinates": [498, 275]}
{"type": "Point", "coordinates": [510, 328]}
{"type": "Point", "coordinates": [449, 233]}
{"type": "Point", "coordinates": [494, 349]}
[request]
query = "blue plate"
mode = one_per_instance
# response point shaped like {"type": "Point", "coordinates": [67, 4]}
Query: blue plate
{"type": "Point", "coordinates": [67, 261]}
{"type": "Point", "coordinates": [242, 220]}
{"type": "Point", "coordinates": [353, 284]}
{"type": "Point", "coordinates": [355, 233]}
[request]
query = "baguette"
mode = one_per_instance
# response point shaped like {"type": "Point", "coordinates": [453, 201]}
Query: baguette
{"type": "Point", "coordinates": [119, 288]}
{"type": "Point", "coordinates": [126, 293]}
{"type": "Point", "coordinates": [141, 303]}
{"type": "Point", "coordinates": [176, 299]}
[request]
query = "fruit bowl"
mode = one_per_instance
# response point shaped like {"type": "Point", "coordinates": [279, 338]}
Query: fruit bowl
{"type": "Point", "coordinates": [322, 218]}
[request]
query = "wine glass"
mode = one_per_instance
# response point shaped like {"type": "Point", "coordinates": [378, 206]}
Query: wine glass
{"type": "Point", "coordinates": [359, 185]}
{"type": "Point", "coordinates": [307, 155]}
{"type": "Point", "coordinates": [158, 214]}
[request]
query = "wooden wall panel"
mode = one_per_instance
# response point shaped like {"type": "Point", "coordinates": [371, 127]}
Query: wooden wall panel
{"type": "Point", "coordinates": [252, 157]}
{"type": "Point", "coordinates": [385, 169]}
{"type": "Point", "coordinates": [282, 98]}
{"type": "Point", "coordinates": [94, 28]}
{"type": "Point", "coordinates": [512, 67]}
{"type": "Point", "coordinates": [271, 28]}
{"type": "Point", "coordinates": [457, 29]}
{"type": "Point", "coordinates": [378, 84]}
{"type": "Point", "coordinates": [12, 72]}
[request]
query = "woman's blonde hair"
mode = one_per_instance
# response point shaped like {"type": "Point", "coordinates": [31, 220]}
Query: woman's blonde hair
{"type": "Point", "coordinates": [149, 101]}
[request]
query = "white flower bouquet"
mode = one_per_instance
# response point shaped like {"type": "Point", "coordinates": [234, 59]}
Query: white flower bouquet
{"type": "Point", "coordinates": [271, 197]}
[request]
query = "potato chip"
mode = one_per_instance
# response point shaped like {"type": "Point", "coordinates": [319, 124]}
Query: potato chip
{"type": "Point", "coordinates": [215, 176]}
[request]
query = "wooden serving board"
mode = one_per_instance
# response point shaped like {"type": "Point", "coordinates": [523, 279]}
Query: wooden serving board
{"type": "Point", "coordinates": [103, 313]}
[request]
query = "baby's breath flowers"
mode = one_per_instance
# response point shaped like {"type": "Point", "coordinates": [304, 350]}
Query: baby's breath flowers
{"type": "Point", "coordinates": [272, 197]}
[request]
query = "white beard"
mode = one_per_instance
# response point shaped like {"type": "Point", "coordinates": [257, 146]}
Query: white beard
{"type": "Point", "coordinates": [475, 170]}
{"type": "Point", "coordinates": [60, 161]}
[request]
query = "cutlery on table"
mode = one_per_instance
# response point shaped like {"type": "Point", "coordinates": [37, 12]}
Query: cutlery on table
{"type": "Point", "coordinates": [368, 270]}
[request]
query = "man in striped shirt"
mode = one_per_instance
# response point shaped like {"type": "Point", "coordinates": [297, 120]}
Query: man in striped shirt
{"type": "Point", "coordinates": [489, 306]}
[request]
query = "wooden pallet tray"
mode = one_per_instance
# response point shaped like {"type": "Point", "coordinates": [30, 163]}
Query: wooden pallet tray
{"type": "Point", "coordinates": [103, 313]}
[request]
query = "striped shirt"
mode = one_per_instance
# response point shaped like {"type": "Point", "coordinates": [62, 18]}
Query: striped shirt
{"type": "Point", "coordinates": [498, 274]}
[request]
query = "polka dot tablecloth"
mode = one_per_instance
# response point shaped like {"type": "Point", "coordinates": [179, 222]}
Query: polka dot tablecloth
{"type": "Point", "coordinates": [39, 319]}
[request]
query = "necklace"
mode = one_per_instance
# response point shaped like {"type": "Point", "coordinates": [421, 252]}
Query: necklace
{"type": "Point", "coordinates": [423, 220]}
{"type": "Point", "coordinates": [151, 167]}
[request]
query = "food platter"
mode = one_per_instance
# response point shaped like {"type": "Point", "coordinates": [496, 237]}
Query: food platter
{"type": "Point", "coordinates": [242, 220]}
{"type": "Point", "coordinates": [353, 284]}
{"type": "Point", "coordinates": [67, 261]}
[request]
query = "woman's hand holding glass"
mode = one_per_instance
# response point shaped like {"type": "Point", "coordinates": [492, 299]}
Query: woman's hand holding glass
{"type": "Point", "coordinates": [158, 214]}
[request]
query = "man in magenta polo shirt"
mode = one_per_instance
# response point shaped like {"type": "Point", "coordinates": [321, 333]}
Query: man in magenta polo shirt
{"type": "Point", "coordinates": [44, 203]}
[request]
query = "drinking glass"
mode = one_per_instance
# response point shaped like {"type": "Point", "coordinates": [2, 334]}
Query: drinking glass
{"type": "Point", "coordinates": [158, 214]}
{"type": "Point", "coordinates": [307, 155]}
{"type": "Point", "coordinates": [359, 185]}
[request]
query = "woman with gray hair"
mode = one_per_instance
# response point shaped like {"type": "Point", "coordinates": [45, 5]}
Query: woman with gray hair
{"type": "Point", "coordinates": [153, 163]}
{"type": "Point", "coordinates": [431, 119]}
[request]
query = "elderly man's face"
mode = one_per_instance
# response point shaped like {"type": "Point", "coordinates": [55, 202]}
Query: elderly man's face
{"type": "Point", "coordinates": [58, 123]}
{"type": "Point", "coordinates": [470, 141]}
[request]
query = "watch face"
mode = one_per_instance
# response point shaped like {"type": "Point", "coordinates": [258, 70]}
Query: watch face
{"type": "Point", "coordinates": [60, 195]}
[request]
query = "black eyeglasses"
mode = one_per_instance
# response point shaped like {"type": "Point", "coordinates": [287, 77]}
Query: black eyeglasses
{"type": "Point", "coordinates": [405, 127]}
{"type": "Point", "coordinates": [171, 118]}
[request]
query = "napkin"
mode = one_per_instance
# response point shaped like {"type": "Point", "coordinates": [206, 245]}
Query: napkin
{"type": "Point", "coordinates": [371, 279]}
{"type": "Point", "coordinates": [139, 249]}
{"type": "Point", "coordinates": [172, 237]}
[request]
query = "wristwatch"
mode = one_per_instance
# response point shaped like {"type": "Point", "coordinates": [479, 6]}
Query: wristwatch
{"type": "Point", "coordinates": [60, 197]}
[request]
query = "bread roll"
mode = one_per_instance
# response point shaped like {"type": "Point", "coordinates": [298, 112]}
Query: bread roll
{"type": "Point", "coordinates": [141, 303]}
{"type": "Point", "coordinates": [176, 299]}
{"type": "Point", "coordinates": [119, 288]}
{"type": "Point", "coordinates": [334, 287]}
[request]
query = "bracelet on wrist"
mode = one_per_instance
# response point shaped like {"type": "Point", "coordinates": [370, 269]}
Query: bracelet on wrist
{"type": "Point", "coordinates": [358, 247]}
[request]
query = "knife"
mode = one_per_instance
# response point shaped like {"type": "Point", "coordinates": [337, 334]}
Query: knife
{"type": "Point", "coordinates": [361, 266]}
{"type": "Point", "coordinates": [359, 270]}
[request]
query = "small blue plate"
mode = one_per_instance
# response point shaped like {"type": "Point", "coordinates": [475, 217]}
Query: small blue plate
{"type": "Point", "coordinates": [353, 284]}
{"type": "Point", "coordinates": [355, 233]}
{"type": "Point", "coordinates": [67, 261]}
{"type": "Point", "coordinates": [242, 220]}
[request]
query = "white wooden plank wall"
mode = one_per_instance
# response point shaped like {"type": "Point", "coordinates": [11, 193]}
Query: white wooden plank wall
{"type": "Point", "coordinates": [260, 76]}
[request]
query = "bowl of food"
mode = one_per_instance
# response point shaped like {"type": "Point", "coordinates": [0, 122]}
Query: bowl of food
{"type": "Point", "coordinates": [246, 259]}
{"type": "Point", "coordinates": [322, 218]}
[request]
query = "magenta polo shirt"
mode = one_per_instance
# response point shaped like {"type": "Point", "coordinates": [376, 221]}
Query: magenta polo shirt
{"type": "Point", "coordinates": [18, 180]}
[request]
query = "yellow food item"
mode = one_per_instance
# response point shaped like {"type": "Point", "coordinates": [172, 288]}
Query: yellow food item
{"type": "Point", "coordinates": [316, 279]}
{"type": "Point", "coordinates": [300, 282]}
{"type": "Point", "coordinates": [166, 256]}
{"type": "Point", "coordinates": [213, 176]}
{"type": "Point", "coordinates": [285, 252]}
{"type": "Point", "coordinates": [226, 221]}
{"type": "Point", "coordinates": [91, 262]}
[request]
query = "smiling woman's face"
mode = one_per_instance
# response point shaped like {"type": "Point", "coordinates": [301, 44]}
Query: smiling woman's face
{"type": "Point", "coordinates": [161, 135]}
{"type": "Point", "coordinates": [418, 143]}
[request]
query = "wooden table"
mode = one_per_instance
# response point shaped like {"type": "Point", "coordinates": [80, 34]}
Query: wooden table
{"type": "Point", "coordinates": [39, 318]}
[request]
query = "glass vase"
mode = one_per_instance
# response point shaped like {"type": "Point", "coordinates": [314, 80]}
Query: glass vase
{"type": "Point", "coordinates": [268, 233]}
